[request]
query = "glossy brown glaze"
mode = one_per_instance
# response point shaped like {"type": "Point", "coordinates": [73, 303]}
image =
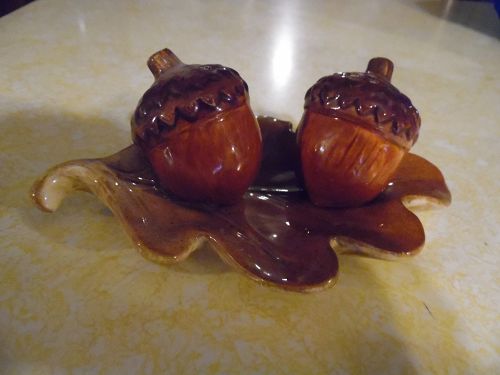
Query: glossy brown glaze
{"type": "Point", "coordinates": [214, 161]}
{"type": "Point", "coordinates": [355, 131]}
{"type": "Point", "coordinates": [276, 238]}
{"type": "Point", "coordinates": [198, 131]}
{"type": "Point", "coordinates": [349, 165]}
{"type": "Point", "coordinates": [369, 100]}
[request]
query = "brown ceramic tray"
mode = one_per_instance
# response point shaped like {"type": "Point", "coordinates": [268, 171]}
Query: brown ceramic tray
{"type": "Point", "coordinates": [274, 235]}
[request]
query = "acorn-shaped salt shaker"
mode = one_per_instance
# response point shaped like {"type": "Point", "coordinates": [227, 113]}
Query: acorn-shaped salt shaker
{"type": "Point", "coordinates": [197, 129]}
{"type": "Point", "coordinates": [354, 132]}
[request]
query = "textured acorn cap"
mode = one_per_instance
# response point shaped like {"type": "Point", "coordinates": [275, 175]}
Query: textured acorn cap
{"type": "Point", "coordinates": [190, 92]}
{"type": "Point", "coordinates": [369, 100]}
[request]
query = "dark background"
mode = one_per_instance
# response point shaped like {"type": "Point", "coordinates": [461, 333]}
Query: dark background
{"type": "Point", "coordinates": [7, 6]}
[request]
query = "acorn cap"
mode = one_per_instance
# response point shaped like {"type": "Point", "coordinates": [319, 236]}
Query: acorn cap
{"type": "Point", "coordinates": [369, 100]}
{"type": "Point", "coordinates": [190, 92]}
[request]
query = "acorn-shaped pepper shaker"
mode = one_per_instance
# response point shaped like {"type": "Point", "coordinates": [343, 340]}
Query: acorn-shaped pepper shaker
{"type": "Point", "coordinates": [198, 131]}
{"type": "Point", "coordinates": [355, 130]}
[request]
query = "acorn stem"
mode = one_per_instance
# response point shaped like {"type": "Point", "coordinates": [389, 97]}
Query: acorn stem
{"type": "Point", "coordinates": [162, 61]}
{"type": "Point", "coordinates": [381, 66]}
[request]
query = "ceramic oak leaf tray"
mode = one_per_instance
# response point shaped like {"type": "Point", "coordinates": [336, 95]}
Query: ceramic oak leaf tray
{"type": "Point", "coordinates": [274, 235]}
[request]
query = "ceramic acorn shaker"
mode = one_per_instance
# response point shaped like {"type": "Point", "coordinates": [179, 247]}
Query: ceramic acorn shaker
{"type": "Point", "coordinates": [198, 131]}
{"type": "Point", "coordinates": [355, 130]}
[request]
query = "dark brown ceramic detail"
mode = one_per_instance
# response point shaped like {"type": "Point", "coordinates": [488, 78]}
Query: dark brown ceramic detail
{"type": "Point", "coordinates": [355, 130]}
{"type": "Point", "coordinates": [368, 99]}
{"type": "Point", "coordinates": [184, 91]}
{"type": "Point", "coordinates": [197, 129]}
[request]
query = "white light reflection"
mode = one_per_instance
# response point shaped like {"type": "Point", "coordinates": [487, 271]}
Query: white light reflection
{"type": "Point", "coordinates": [82, 25]}
{"type": "Point", "coordinates": [282, 61]}
{"type": "Point", "coordinates": [217, 169]}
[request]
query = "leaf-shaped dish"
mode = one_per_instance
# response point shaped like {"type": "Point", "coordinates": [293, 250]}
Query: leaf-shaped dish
{"type": "Point", "coordinates": [274, 235]}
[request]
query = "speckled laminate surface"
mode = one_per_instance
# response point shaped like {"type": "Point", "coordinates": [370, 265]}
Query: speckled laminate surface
{"type": "Point", "coordinates": [75, 296]}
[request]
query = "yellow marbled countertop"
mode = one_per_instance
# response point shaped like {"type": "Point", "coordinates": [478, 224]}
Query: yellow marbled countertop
{"type": "Point", "coordinates": [76, 296]}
